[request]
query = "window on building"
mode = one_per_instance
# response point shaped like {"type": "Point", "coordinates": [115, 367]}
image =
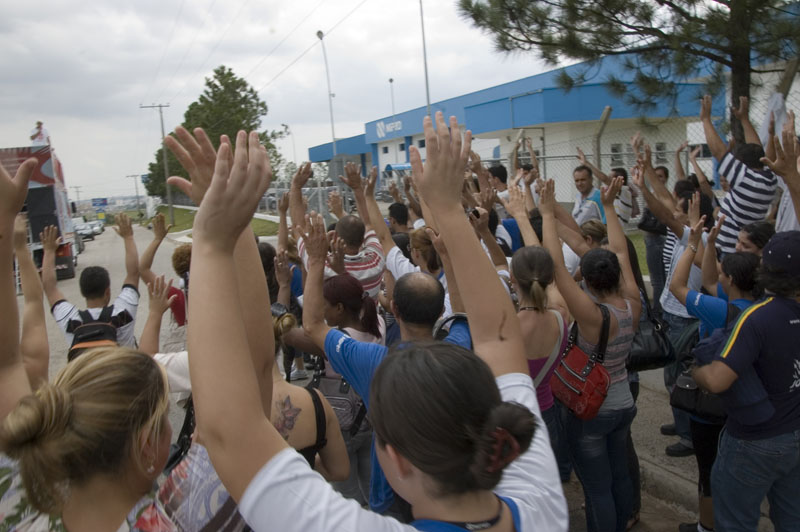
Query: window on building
{"type": "Point", "coordinates": [661, 152]}
{"type": "Point", "coordinates": [421, 143]}
{"type": "Point", "coordinates": [617, 155]}
{"type": "Point", "coordinates": [402, 147]}
{"type": "Point", "coordinates": [385, 149]}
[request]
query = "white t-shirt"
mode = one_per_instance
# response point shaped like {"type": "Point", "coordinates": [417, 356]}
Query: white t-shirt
{"type": "Point", "coordinates": [287, 495]}
{"type": "Point", "coordinates": [41, 138]}
{"type": "Point", "coordinates": [571, 259]}
{"type": "Point", "coordinates": [176, 366]}
{"type": "Point", "coordinates": [668, 301]}
{"type": "Point", "coordinates": [786, 219]}
{"type": "Point", "coordinates": [123, 316]}
{"type": "Point", "coordinates": [398, 265]}
{"type": "Point", "coordinates": [419, 223]}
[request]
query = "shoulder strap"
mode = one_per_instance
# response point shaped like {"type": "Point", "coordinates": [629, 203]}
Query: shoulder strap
{"type": "Point", "coordinates": [319, 414]}
{"type": "Point", "coordinates": [603, 344]}
{"type": "Point", "coordinates": [732, 313]}
{"type": "Point", "coordinates": [86, 316]}
{"type": "Point", "coordinates": [554, 353]}
{"type": "Point", "coordinates": [359, 419]}
{"type": "Point", "coordinates": [105, 315]}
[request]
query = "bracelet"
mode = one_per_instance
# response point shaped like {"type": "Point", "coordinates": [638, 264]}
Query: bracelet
{"type": "Point", "coordinates": [693, 248]}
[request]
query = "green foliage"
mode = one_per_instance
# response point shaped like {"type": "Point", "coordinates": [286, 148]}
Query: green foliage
{"type": "Point", "coordinates": [662, 42]}
{"type": "Point", "coordinates": [228, 104]}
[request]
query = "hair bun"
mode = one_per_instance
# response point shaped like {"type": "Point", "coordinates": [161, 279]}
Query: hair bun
{"type": "Point", "coordinates": [37, 418]}
{"type": "Point", "coordinates": [507, 433]}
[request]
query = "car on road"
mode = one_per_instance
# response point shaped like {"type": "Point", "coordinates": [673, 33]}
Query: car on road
{"type": "Point", "coordinates": [97, 226]}
{"type": "Point", "coordinates": [85, 231]}
{"type": "Point", "coordinates": [383, 196]}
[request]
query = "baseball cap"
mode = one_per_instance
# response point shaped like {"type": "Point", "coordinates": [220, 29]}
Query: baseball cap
{"type": "Point", "coordinates": [782, 252]}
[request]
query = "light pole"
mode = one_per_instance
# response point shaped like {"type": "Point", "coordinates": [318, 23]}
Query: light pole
{"type": "Point", "coordinates": [391, 92]}
{"type": "Point", "coordinates": [320, 36]}
{"type": "Point", "coordinates": [425, 59]}
{"type": "Point", "coordinates": [136, 182]}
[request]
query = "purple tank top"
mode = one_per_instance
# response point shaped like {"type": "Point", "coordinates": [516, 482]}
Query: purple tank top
{"type": "Point", "coordinates": [543, 392]}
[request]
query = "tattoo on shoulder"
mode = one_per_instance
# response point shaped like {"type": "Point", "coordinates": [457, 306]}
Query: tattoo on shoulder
{"type": "Point", "coordinates": [287, 416]}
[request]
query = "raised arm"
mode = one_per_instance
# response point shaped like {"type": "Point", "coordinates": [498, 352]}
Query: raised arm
{"type": "Point", "coordinates": [705, 186]}
{"type": "Point", "coordinates": [283, 223]}
{"type": "Point", "coordinates": [33, 342]}
{"type": "Point", "coordinates": [680, 173]}
{"type": "Point", "coordinates": [352, 179]}
{"type": "Point", "coordinates": [481, 225]}
{"type": "Point", "coordinates": [787, 165]}
{"type": "Point", "coordinates": [160, 230]}
{"type": "Point", "coordinates": [225, 389]}
{"type": "Point", "coordinates": [335, 205]}
{"type": "Point", "coordinates": [313, 301]}
{"type": "Point", "coordinates": [50, 242]}
{"type": "Point", "coordinates": [596, 172]}
{"type": "Point", "coordinates": [125, 230]}
{"type": "Point", "coordinates": [283, 274]}
{"type": "Point", "coordinates": [496, 334]}
{"type": "Point", "coordinates": [742, 113]}
{"type": "Point", "coordinates": [159, 302]}
{"type": "Point", "coordinates": [413, 203]}
{"type": "Point", "coordinates": [297, 209]}
{"type": "Point", "coordinates": [456, 303]}
{"type": "Point", "coordinates": [383, 233]}
{"type": "Point", "coordinates": [679, 286]}
{"type": "Point", "coordinates": [515, 206]}
{"type": "Point", "coordinates": [14, 383]}
{"type": "Point", "coordinates": [709, 265]}
{"type": "Point", "coordinates": [586, 313]}
{"type": "Point", "coordinates": [658, 208]}
{"type": "Point", "coordinates": [660, 190]}
{"type": "Point", "coordinates": [715, 143]}
{"type": "Point", "coordinates": [618, 244]}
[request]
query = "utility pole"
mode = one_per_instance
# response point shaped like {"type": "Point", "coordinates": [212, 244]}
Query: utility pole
{"type": "Point", "coordinates": [136, 182]}
{"type": "Point", "coordinates": [160, 108]}
{"type": "Point", "coordinates": [425, 59]}
{"type": "Point", "coordinates": [320, 36]}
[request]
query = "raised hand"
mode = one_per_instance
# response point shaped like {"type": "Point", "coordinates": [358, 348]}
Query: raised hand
{"type": "Point", "coordinates": [515, 204]}
{"type": "Point", "coordinates": [487, 197]}
{"type": "Point", "coordinates": [283, 271]}
{"type": "Point", "coordinates": [335, 204]}
{"type": "Point", "coordinates": [438, 243]}
{"type": "Point", "coordinates": [714, 232]}
{"type": "Point", "coordinates": [647, 158]}
{"type": "Point", "coordinates": [21, 232]}
{"type": "Point", "coordinates": [316, 239]}
{"type": "Point", "coordinates": [786, 157]}
{"type": "Point", "coordinates": [50, 239]}
{"type": "Point", "coordinates": [771, 126]}
{"type": "Point", "coordinates": [610, 192]}
{"type": "Point", "coordinates": [158, 290]}
{"type": "Point", "coordinates": [743, 111]}
{"type": "Point", "coordinates": [407, 184]}
{"type": "Point", "coordinates": [480, 222]}
{"type": "Point", "coordinates": [694, 209]}
{"type": "Point", "coordinates": [636, 142]}
{"type": "Point", "coordinates": [336, 257]}
{"type": "Point", "coordinates": [517, 178]}
{"type": "Point", "coordinates": [440, 179]}
{"type": "Point", "coordinates": [302, 175]}
{"type": "Point", "coordinates": [547, 198]}
{"type": "Point", "coordinates": [370, 181]}
{"type": "Point", "coordinates": [352, 176]}
{"type": "Point", "coordinates": [581, 156]}
{"type": "Point", "coordinates": [395, 192]}
{"type": "Point", "coordinates": [160, 227]}
{"type": "Point", "coordinates": [637, 174]}
{"type": "Point", "coordinates": [705, 108]}
{"type": "Point", "coordinates": [14, 190]}
{"type": "Point", "coordinates": [283, 204]}
{"type": "Point", "coordinates": [124, 228]}
{"type": "Point", "coordinates": [683, 146]}
{"type": "Point", "coordinates": [234, 193]}
{"type": "Point", "coordinates": [696, 231]}
{"type": "Point", "coordinates": [197, 156]}
{"type": "Point", "coordinates": [788, 124]}
{"type": "Point", "coordinates": [695, 152]}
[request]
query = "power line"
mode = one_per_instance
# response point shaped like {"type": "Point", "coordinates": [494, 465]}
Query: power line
{"type": "Point", "coordinates": [214, 49]}
{"type": "Point", "coordinates": [164, 53]}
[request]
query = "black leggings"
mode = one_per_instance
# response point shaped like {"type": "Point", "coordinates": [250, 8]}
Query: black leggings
{"type": "Point", "coordinates": [633, 460]}
{"type": "Point", "coordinates": [705, 437]}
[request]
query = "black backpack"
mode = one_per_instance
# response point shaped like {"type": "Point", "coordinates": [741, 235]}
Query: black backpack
{"type": "Point", "coordinates": [93, 332]}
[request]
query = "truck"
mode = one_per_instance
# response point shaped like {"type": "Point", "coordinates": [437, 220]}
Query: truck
{"type": "Point", "coordinates": [47, 203]}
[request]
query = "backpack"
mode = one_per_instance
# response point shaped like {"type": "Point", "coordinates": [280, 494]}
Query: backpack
{"type": "Point", "coordinates": [348, 406]}
{"type": "Point", "coordinates": [93, 332]}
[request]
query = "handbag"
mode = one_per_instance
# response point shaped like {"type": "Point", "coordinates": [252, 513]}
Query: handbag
{"type": "Point", "coordinates": [580, 381]}
{"type": "Point", "coordinates": [688, 396]}
{"type": "Point", "coordinates": [651, 348]}
{"type": "Point", "coordinates": [650, 224]}
{"type": "Point", "coordinates": [349, 408]}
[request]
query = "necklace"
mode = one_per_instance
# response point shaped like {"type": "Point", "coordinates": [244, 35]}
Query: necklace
{"type": "Point", "coordinates": [479, 525]}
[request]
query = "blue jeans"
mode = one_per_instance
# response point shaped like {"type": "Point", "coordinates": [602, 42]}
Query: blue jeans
{"type": "Point", "coordinates": [599, 451]}
{"type": "Point", "coordinates": [553, 419]}
{"type": "Point", "coordinates": [675, 326]}
{"type": "Point", "coordinates": [746, 471]}
{"type": "Point", "coordinates": [654, 250]}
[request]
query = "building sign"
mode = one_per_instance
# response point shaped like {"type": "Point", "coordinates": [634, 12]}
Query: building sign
{"type": "Point", "coordinates": [99, 202]}
{"type": "Point", "coordinates": [382, 128]}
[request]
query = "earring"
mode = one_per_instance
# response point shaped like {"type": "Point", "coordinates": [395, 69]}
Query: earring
{"type": "Point", "coordinates": [151, 469]}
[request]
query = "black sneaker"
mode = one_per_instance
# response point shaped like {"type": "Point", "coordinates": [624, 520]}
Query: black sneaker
{"type": "Point", "coordinates": [669, 430]}
{"type": "Point", "coordinates": [687, 527]}
{"type": "Point", "coordinates": [679, 450]}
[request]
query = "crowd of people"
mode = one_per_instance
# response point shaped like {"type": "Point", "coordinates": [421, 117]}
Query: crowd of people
{"type": "Point", "coordinates": [441, 345]}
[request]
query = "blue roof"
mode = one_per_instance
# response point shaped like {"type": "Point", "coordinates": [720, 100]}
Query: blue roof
{"type": "Point", "coordinates": [348, 146]}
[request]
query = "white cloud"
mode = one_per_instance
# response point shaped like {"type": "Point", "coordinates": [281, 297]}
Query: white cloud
{"type": "Point", "coordinates": [84, 68]}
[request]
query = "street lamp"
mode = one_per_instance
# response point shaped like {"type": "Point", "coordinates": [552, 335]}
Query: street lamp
{"type": "Point", "coordinates": [391, 91]}
{"type": "Point", "coordinates": [320, 36]}
{"type": "Point", "coordinates": [424, 59]}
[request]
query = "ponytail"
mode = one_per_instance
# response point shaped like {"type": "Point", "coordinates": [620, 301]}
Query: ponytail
{"type": "Point", "coordinates": [533, 271]}
{"type": "Point", "coordinates": [538, 293]}
{"type": "Point", "coordinates": [369, 316]}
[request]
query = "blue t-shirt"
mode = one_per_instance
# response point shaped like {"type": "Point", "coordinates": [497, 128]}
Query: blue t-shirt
{"type": "Point", "coordinates": [357, 362]}
{"type": "Point", "coordinates": [597, 197]}
{"type": "Point", "coordinates": [764, 351]}
{"type": "Point", "coordinates": [712, 311]}
{"type": "Point", "coordinates": [431, 525]}
{"type": "Point", "coordinates": [297, 281]}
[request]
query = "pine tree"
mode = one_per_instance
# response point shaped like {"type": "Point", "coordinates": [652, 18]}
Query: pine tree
{"type": "Point", "coordinates": [663, 42]}
{"type": "Point", "coordinates": [228, 103]}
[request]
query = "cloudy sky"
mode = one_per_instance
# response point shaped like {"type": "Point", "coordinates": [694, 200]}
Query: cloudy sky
{"type": "Point", "coordinates": [83, 67]}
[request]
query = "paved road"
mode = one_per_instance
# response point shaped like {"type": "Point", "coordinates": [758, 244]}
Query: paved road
{"type": "Point", "coordinates": [657, 514]}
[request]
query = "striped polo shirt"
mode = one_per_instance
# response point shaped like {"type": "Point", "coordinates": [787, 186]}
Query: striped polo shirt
{"type": "Point", "coordinates": [367, 265]}
{"type": "Point", "coordinates": [747, 201]}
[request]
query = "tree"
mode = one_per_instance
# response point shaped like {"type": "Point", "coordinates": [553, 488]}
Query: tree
{"type": "Point", "coordinates": [663, 42]}
{"type": "Point", "coordinates": [228, 103]}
